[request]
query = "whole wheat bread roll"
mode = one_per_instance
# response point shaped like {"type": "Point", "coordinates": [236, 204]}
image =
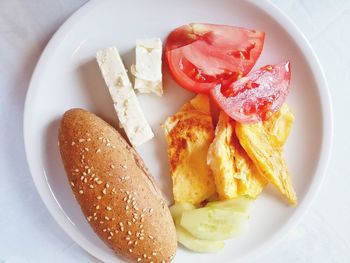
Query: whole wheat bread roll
{"type": "Point", "coordinates": [115, 190]}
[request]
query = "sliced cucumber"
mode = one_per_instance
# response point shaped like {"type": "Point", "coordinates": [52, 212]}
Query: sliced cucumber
{"type": "Point", "coordinates": [203, 246]}
{"type": "Point", "coordinates": [210, 223]}
{"type": "Point", "coordinates": [177, 209]}
{"type": "Point", "coordinates": [239, 204]}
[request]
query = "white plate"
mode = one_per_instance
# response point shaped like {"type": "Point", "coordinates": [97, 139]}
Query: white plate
{"type": "Point", "coordinates": [67, 76]}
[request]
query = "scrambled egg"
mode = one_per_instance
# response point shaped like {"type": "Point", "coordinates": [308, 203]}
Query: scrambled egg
{"type": "Point", "coordinates": [279, 126]}
{"type": "Point", "coordinates": [234, 172]}
{"type": "Point", "coordinates": [263, 142]}
{"type": "Point", "coordinates": [189, 133]}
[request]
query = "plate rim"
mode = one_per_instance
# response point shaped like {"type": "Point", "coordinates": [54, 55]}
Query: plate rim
{"type": "Point", "coordinates": [311, 58]}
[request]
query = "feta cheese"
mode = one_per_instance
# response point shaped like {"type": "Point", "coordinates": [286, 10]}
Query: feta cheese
{"type": "Point", "coordinates": [124, 98]}
{"type": "Point", "coordinates": [148, 68]}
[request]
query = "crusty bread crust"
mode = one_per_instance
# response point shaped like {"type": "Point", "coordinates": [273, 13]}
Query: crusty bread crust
{"type": "Point", "coordinates": [115, 190]}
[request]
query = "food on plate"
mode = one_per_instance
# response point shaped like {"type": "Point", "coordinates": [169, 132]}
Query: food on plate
{"type": "Point", "coordinates": [239, 204]}
{"type": "Point", "coordinates": [204, 229]}
{"type": "Point", "coordinates": [256, 96]}
{"type": "Point", "coordinates": [266, 157]}
{"type": "Point", "coordinates": [279, 126]}
{"type": "Point", "coordinates": [187, 239]}
{"type": "Point", "coordinates": [210, 223]}
{"type": "Point", "coordinates": [115, 190]}
{"type": "Point", "coordinates": [148, 67]}
{"type": "Point", "coordinates": [189, 133]}
{"type": "Point", "coordinates": [129, 112]}
{"type": "Point", "coordinates": [201, 56]}
{"type": "Point", "coordinates": [234, 172]}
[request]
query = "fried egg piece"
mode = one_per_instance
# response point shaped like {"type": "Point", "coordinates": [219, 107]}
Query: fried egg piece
{"type": "Point", "coordinates": [233, 170]}
{"type": "Point", "coordinates": [279, 126]}
{"type": "Point", "coordinates": [189, 133]}
{"type": "Point", "coordinates": [266, 156]}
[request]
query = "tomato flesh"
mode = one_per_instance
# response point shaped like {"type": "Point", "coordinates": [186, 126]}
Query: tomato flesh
{"type": "Point", "coordinates": [257, 96]}
{"type": "Point", "coordinates": [201, 56]}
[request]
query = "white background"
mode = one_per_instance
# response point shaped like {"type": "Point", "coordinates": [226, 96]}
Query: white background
{"type": "Point", "coordinates": [27, 231]}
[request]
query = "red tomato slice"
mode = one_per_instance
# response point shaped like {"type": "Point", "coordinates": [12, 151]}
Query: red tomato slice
{"type": "Point", "coordinates": [201, 56]}
{"type": "Point", "coordinates": [256, 96]}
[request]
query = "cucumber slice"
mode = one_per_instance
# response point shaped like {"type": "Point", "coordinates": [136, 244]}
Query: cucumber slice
{"type": "Point", "coordinates": [197, 245]}
{"type": "Point", "coordinates": [213, 224]}
{"type": "Point", "coordinates": [239, 204]}
{"type": "Point", "coordinates": [177, 209]}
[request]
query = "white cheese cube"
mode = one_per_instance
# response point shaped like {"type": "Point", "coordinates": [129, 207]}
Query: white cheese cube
{"type": "Point", "coordinates": [148, 68]}
{"type": "Point", "coordinates": [124, 98]}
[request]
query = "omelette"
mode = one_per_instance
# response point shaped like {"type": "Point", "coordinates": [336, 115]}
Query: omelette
{"type": "Point", "coordinates": [189, 133]}
{"type": "Point", "coordinates": [234, 172]}
{"type": "Point", "coordinates": [263, 143]}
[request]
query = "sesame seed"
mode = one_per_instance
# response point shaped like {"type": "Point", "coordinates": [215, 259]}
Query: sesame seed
{"type": "Point", "coordinates": [144, 210]}
{"type": "Point", "coordinates": [112, 166]}
{"type": "Point", "coordinates": [89, 139]}
{"type": "Point", "coordinates": [97, 207]}
{"type": "Point", "coordinates": [127, 207]}
{"type": "Point", "coordinates": [129, 223]}
{"type": "Point", "coordinates": [104, 230]}
{"type": "Point", "coordinates": [91, 186]}
{"type": "Point", "coordinates": [81, 140]}
{"type": "Point", "coordinates": [141, 226]}
{"type": "Point", "coordinates": [121, 228]}
{"type": "Point", "coordinates": [82, 177]}
{"type": "Point", "coordinates": [81, 192]}
{"type": "Point", "coordinates": [104, 191]}
{"type": "Point", "coordinates": [139, 259]}
{"type": "Point", "coordinates": [114, 147]}
{"type": "Point", "coordinates": [99, 181]}
{"type": "Point", "coordinates": [89, 218]}
{"type": "Point", "coordinates": [136, 242]}
{"type": "Point", "coordinates": [151, 210]}
{"type": "Point", "coordinates": [86, 149]}
{"type": "Point", "coordinates": [116, 231]}
{"type": "Point", "coordinates": [108, 208]}
{"type": "Point", "coordinates": [106, 217]}
{"type": "Point", "coordinates": [85, 180]}
{"type": "Point", "coordinates": [142, 238]}
{"type": "Point", "coordinates": [100, 138]}
{"type": "Point", "coordinates": [98, 150]}
{"type": "Point", "coordinates": [127, 238]}
{"type": "Point", "coordinates": [125, 198]}
{"type": "Point", "coordinates": [107, 185]}
{"type": "Point", "coordinates": [154, 253]}
{"type": "Point", "coordinates": [73, 143]}
{"type": "Point", "coordinates": [130, 242]}
{"type": "Point", "coordinates": [129, 233]}
{"type": "Point", "coordinates": [72, 184]}
{"type": "Point", "coordinates": [101, 222]}
{"type": "Point", "coordinates": [89, 170]}
{"type": "Point", "coordinates": [121, 223]}
{"type": "Point", "coordinates": [109, 237]}
{"type": "Point", "coordinates": [84, 173]}
{"type": "Point", "coordinates": [151, 237]}
{"type": "Point", "coordinates": [99, 197]}
{"type": "Point", "coordinates": [95, 218]}
{"type": "Point", "coordinates": [113, 218]}
{"type": "Point", "coordinates": [144, 255]}
{"type": "Point", "coordinates": [76, 170]}
{"type": "Point", "coordinates": [124, 166]}
{"type": "Point", "coordinates": [130, 250]}
{"type": "Point", "coordinates": [95, 214]}
{"type": "Point", "coordinates": [111, 233]}
{"type": "Point", "coordinates": [108, 144]}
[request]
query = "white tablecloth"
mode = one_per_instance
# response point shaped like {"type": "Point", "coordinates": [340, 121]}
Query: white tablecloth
{"type": "Point", "coordinates": [27, 231]}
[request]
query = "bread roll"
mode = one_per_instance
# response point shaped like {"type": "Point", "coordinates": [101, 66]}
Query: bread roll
{"type": "Point", "coordinates": [115, 190]}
